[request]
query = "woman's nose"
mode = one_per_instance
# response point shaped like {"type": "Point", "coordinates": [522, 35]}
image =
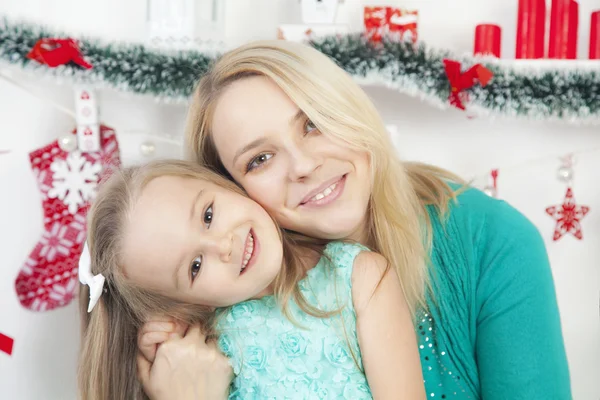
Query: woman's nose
{"type": "Point", "coordinates": [303, 163]}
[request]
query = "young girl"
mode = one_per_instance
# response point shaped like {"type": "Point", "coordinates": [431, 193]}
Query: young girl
{"type": "Point", "coordinates": [306, 321]}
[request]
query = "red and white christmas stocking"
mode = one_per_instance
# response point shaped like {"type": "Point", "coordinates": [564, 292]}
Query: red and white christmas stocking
{"type": "Point", "coordinates": [67, 182]}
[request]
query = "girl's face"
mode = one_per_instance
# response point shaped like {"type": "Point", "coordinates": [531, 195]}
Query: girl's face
{"type": "Point", "coordinates": [309, 182]}
{"type": "Point", "coordinates": [196, 242]}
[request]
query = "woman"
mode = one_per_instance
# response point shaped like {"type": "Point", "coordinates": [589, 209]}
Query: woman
{"type": "Point", "coordinates": [304, 141]}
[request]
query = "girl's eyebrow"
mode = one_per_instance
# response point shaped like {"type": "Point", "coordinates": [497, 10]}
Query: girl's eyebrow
{"type": "Point", "coordinates": [195, 203]}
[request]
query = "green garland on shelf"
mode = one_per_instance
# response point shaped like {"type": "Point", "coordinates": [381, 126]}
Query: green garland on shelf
{"type": "Point", "coordinates": [568, 93]}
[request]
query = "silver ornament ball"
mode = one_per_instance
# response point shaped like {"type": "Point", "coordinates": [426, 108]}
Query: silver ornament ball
{"type": "Point", "coordinates": [565, 174]}
{"type": "Point", "coordinates": [67, 143]}
{"type": "Point", "coordinates": [490, 191]}
{"type": "Point", "coordinates": [147, 149]}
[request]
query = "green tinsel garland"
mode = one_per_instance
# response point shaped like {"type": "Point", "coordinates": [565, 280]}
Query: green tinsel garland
{"type": "Point", "coordinates": [571, 93]}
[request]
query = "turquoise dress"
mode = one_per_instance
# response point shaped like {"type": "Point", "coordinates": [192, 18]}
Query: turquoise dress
{"type": "Point", "coordinates": [316, 358]}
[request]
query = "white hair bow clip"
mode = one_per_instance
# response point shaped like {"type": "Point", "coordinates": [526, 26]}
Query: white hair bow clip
{"type": "Point", "coordinates": [95, 282]}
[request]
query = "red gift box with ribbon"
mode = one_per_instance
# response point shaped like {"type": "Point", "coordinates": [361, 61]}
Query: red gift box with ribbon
{"type": "Point", "coordinates": [400, 23]}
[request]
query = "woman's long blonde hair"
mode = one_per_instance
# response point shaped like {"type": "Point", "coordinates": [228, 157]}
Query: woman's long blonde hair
{"type": "Point", "coordinates": [107, 361]}
{"type": "Point", "coordinates": [399, 226]}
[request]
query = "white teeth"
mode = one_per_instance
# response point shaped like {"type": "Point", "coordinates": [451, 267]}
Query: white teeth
{"type": "Point", "coordinates": [248, 252]}
{"type": "Point", "coordinates": [324, 193]}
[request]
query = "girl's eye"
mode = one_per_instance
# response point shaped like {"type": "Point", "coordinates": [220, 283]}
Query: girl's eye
{"type": "Point", "coordinates": [258, 161]}
{"type": "Point", "coordinates": [309, 127]}
{"type": "Point", "coordinates": [195, 267]}
{"type": "Point", "coordinates": [208, 216]}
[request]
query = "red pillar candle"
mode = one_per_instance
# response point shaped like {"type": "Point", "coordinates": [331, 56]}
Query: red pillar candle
{"type": "Point", "coordinates": [563, 29]}
{"type": "Point", "coordinates": [573, 30]}
{"type": "Point", "coordinates": [531, 25]}
{"type": "Point", "coordinates": [487, 40]}
{"type": "Point", "coordinates": [595, 36]}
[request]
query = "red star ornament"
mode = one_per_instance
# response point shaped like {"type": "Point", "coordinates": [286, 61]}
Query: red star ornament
{"type": "Point", "coordinates": [568, 216]}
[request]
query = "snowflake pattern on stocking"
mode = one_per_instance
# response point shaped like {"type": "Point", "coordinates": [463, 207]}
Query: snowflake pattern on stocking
{"type": "Point", "coordinates": [67, 182]}
{"type": "Point", "coordinates": [74, 181]}
{"type": "Point", "coordinates": [40, 176]}
{"type": "Point", "coordinates": [63, 293]}
{"type": "Point", "coordinates": [55, 242]}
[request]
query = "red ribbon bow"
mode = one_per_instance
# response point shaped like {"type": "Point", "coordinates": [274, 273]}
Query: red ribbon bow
{"type": "Point", "coordinates": [55, 52]}
{"type": "Point", "coordinates": [465, 80]}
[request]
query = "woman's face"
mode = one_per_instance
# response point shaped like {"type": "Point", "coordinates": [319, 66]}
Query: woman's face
{"type": "Point", "coordinates": [308, 181]}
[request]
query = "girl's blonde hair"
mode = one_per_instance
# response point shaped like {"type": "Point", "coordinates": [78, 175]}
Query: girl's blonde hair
{"type": "Point", "coordinates": [107, 364]}
{"type": "Point", "coordinates": [398, 222]}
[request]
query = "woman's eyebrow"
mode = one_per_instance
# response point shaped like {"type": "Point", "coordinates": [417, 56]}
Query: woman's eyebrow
{"type": "Point", "coordinates": [253, 144]}
{"type": "Point", "coordinates": [260, 141]}
{"type": "Point", "coordinates": [299, 115]}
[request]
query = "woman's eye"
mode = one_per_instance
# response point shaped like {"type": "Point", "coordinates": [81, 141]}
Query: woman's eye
{"type": "Point", "coordinates": [309, 127]}
{"type": "Point", "coordinates": [195, 267]}
{"type": "Point", "coordinates": [258, 161]}
{"type": "Point", "coordinates": [208, 216]}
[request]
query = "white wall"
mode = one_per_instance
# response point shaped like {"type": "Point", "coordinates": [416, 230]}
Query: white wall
{"type": "Point", "coordinates": [43, 362]}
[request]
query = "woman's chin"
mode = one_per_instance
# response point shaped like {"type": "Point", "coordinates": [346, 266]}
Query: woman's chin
{"type": "Point", "coordinates": [337, 229]}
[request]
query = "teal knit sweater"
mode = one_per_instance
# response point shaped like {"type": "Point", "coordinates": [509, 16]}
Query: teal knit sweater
{"type": "Point", "coordinates": [492, 330]}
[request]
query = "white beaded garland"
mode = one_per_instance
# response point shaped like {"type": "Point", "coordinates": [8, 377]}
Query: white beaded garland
{"type": "Point", "coordinates": [147, 149]}
{"type": "Point", "coordinates": [67, 142]}
{"type": "Point", "coordinates": [490, 191]}
{"type": "Point", "coordinates": [565, 173]}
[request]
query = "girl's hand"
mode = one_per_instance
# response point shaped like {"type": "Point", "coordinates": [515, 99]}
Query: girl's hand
{"type": "Point", "coordinates": [186, 368]}
{"type": "Point", "coordinates": [157, 331]}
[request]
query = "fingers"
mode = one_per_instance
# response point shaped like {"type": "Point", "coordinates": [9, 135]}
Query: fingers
{"type": "Point", "coordinates": [164, 323]}
{"type": "Point", "coordinates": [160, 318]}
{"type": "Point", "coordinates": [164, 326]}
{"type": "Point", "coordinates": [219, 360]}
{"type": "Point", "coordinates": [156, 331]}
{"type": "Point", "coordinates": [158, 326]}
{"type": "Point", "coordinates": [181, 328]}
{"type": "Point", "coordinates": [195, 333]}
{"type": "Point", "coordinates": [148, 343]}
{"type": "Point", "coordinates": [143, 369]}
{"type": "Point", "coordinates": [175, 335]}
